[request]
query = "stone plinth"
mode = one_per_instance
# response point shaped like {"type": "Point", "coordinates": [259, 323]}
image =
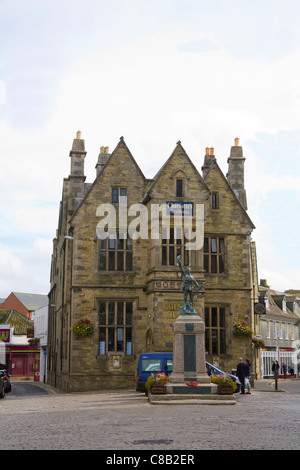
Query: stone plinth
{"type": "Point", "coordinates": [189, 351]}
{"type": "Point", "coordinates": [189, 365]}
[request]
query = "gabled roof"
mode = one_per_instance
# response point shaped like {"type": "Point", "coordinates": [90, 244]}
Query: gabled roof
{"type": "Point", "coordinates": [165, 165]}
{"type": "Point", "coordinates": [273, 306]}
{"type": "Point", "coordinates": [90, 186]}
{"type": "Point", "coordinates": [19, 322]}
{"type": "Point", "coordinates": [32, 301]}
{"type": "Point", "coordinates": [215, 165]}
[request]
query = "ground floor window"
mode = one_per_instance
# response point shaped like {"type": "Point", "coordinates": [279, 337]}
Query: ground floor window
{"type": "Point", "coordinates": [267, 359]}
{"type": "Point", "coordinates": [215, 339]}
{"type": "Point", "coordinates": [115, 327]}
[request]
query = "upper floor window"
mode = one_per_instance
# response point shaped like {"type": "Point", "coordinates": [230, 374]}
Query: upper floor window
{"type": "Point", "coordinates": [286, 331]}
{"type": "Point", "coordinates": [115, 254]}
{"type": "Point", "coordinates": [215, 201]}
{"type": "Point", "coordinates": [173, 246]}
{"type": "Point", "coordinates": [268, 329]}
{"type": "Point", "coordinates": [214, 255]}
{"type": "Point", "coordinates": [179, 187]}
{"type": "Point", "coordinates": [118, 194]}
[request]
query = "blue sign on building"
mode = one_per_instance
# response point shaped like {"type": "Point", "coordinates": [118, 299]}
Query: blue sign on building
{"type": "Point", "coordinates": [180, 208]}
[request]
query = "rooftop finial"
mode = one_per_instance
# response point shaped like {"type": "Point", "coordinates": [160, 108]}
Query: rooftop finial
{"type": "Point", "coordinates": [78, 135]}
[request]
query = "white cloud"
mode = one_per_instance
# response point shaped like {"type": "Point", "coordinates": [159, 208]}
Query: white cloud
{"type": "Point", "coordinates": [21, 270]}
{"type": "Point", "coordinates": [155, 82]}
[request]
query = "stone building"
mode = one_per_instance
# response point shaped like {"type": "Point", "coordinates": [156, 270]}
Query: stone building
{"type": "Point", "coordinates": [279, 330]}
{"type": "Point", "coordinates": [129, 289]}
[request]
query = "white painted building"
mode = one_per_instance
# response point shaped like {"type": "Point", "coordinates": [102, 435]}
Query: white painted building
{"type": "Point", "coordinates": [41, 332]}
{"type": "Point", "coordinates": [280, 331]}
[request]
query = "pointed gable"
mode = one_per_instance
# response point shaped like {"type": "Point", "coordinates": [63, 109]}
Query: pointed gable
{"type": "Point", "coordinates": [120, 170]}
{"type": "Point", "coordinates": [229, 206]}
{"type": "Point", "coordinates": [178, 166]}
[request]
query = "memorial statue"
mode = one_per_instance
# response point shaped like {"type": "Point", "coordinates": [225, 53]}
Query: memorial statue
{"type": "Point", "coordinates": [188, 289]}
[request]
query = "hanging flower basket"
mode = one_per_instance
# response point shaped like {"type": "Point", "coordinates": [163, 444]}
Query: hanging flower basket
{"type": "Point", "coordinates": [83, 328]}
{"type": "Point", "coordinates": [258, 343]}
{"type": "Point", "coordinates": [242, 329]}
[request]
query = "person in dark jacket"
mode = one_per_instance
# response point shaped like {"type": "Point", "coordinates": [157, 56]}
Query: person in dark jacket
{"type": "Point", "coordinates": [241, 374]}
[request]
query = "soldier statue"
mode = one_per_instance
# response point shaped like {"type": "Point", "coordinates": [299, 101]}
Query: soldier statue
{"type": "Point", "coordinates": [188, 289]}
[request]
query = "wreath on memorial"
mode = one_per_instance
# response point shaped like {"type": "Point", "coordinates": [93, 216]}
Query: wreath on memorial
{"type": "Point", "coordinates": [242, 329]}
{"type": "Point", "coordinates": [192, 384]}
{"type": "Point", "coordinates": [83, 328]}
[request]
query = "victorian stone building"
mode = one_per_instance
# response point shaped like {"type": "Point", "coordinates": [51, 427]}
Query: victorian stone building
{"type": "Point", "coordinates": [129, 289]}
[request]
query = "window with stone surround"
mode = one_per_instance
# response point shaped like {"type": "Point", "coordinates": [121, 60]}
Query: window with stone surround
{"type": "Point", "coordinates": [118, 194]}
{"type": "Point", "coordinates": [115, 327]}
{"type": "Point", "coordinates": [215, 201]}
{"type": "Point", "coordinates": [173, 246]}
{"type": "Point", "coordinates": [115, 254]}
{"type": "Point", "coordinates": [214, 255]}
{"type": "Point", "coordinates": [179, 187]}
{"type": "Point", "coordinates": [215, 340]}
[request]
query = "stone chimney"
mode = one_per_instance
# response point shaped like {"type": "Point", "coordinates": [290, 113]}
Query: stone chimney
{"type": "Point", "coordinates": [209, 159]}
{"type": "Point", "coordinates": [102, 159]}
{"type": "Point", "coordinates": [76, 177]}
{"type": "Point", "coordinates": [235, 175]}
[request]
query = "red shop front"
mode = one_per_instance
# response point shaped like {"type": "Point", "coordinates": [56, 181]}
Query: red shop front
{"type": "Point", "coordinates": [22, 360]}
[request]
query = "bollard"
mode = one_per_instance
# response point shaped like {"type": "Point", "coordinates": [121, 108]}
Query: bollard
{"type": "Point", "coordinates": [276, 380]}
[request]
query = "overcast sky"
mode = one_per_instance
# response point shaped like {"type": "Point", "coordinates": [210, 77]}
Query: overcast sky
{"type": "Point", "coordinates": [155, 72]}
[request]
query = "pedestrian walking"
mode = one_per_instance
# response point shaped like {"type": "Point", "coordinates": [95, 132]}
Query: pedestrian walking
{"type": "Point", "coordinates": [248, 375]}
{"type": "Point", "coordinates": [284, 368]}
{"type": "Point", "coordinates": [241, 374]}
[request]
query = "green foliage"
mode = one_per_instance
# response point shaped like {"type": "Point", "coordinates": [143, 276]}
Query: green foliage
{"type": "Point", "coordinates": [156, 379]}
{"type": "Point", "coordinates": [223, 380]}
{"type": "Point", "coordinates": [242, 329]}
{"type": "Point", "coordinates": [83, 328]}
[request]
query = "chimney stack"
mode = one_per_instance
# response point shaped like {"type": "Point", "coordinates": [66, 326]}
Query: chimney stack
{"type": "Point", "coordinates": [76, 177]}
{"type": "Point", "coordinates": [235, 175]}
{"type": "Point", "coordinates": [102, 159]}
{"type": "Point", "coordinates": [209, 159]}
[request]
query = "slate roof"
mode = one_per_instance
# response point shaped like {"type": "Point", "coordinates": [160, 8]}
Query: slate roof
{"type": "Point", "coordinates": [32, 301]}
{"type": "Point", "coordinates": [274, 306]}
